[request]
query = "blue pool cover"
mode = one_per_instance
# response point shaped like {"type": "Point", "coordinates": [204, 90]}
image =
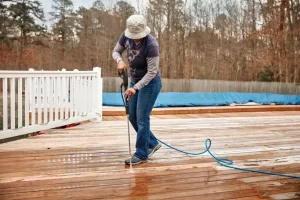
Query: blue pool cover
{"type": "Point", "coordinates": [178, 99]}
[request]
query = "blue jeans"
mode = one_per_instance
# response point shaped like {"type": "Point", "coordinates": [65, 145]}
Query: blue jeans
{"type": "Point", "coordinates": [140, 107]}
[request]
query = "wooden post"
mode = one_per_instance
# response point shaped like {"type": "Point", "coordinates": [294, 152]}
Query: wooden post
{"type": "Point", "coordinates": [98, 95]}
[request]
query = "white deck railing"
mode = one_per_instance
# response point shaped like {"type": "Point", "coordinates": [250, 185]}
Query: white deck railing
{"type": "Point", "coordinates": [39, 100]}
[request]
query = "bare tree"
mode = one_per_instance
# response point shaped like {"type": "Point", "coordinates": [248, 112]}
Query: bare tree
{"type": "Point", "coordinates": [244, 40]}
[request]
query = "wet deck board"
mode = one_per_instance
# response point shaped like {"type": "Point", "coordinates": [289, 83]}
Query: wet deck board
{"type": "Point", "coordinates": [87, 161]}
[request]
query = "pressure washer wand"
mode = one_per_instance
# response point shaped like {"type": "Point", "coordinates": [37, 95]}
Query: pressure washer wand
{"type": "Point", "coordinates": [127, 113]}
{"type": "Point", "coordinates": [124, 76]}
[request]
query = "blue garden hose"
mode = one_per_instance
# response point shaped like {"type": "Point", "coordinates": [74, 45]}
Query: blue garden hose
{"type": "Point", "coordinates": [222, 161]}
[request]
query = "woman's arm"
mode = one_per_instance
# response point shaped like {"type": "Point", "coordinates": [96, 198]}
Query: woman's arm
{"type": "Point", "coordinates": [117, 52]}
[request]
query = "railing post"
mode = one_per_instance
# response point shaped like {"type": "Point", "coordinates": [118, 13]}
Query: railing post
{"type": "Point", "coordinates": [98, 94]}
{"type": "Point", "coordinates": [76, 93]}
{"type": "Point", "coordinates": [30, 83]}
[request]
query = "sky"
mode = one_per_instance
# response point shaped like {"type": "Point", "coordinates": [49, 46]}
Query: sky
{"type": "Point", "coordinates": [47, 4]}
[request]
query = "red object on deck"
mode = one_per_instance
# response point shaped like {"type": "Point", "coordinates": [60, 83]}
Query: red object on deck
{"type": "Point", "coordinates": [41, 133]}
{"type": "Point", "coordinates": [72, 125]}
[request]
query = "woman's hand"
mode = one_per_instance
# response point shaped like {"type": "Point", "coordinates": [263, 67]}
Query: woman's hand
{"type": "Point", "coordinates": [121, 66]}
{"type": "Point", "coordinates": [129, 93]}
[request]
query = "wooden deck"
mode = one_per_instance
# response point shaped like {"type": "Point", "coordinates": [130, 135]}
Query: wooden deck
{"type": "Point", "coordinates": [120, 111]}
{"type": "Point", "coordinates": [87, 161]}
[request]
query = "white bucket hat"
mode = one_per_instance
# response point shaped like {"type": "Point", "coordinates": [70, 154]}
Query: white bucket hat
{"type": "Point", "coordinates": [136, 27]}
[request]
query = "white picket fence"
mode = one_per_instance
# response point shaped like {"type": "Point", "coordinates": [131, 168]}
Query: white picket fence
{"type": "Point", "coordinates": [40, 100]}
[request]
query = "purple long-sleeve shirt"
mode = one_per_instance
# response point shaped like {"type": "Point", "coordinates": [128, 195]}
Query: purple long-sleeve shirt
{"type": "Point", "coordinates": [143, 58]}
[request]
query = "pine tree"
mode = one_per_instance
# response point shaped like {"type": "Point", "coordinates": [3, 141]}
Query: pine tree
{"type": "Point", "coordinates": [63, 16]}
{"type": "Point", "coordinates": [26, 16]}
{"type": "Point", "coordinates": [4, 22]}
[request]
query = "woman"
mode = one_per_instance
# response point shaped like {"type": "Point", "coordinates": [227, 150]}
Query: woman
{"type": "Point", "coordinates": [145, 85]}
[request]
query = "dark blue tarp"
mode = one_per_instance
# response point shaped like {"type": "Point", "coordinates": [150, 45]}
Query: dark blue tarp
{"type": "Point", "coordinates": [176, 99]}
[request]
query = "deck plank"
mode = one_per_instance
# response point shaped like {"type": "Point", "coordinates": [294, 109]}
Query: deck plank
{"type": "Point", "coordinates": [120, 110]}
{"type": "Point", "coordinates": [87, 161]}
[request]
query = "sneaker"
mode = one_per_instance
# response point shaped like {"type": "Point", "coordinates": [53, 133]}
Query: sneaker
{"type": "Point", "coordinates": [134, 161]}
{"type": "Point", "coordinates": [152, 151]}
